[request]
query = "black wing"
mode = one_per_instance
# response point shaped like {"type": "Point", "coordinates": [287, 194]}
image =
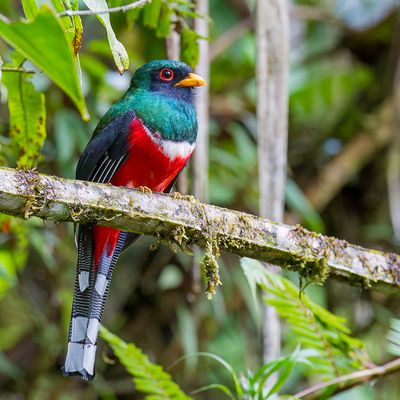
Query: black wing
{"type": "Point", "coordinates": [106, 151]}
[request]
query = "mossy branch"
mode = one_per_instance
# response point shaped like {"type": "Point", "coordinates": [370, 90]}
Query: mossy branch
{"type": "Point", "coordinates": [27, 193]}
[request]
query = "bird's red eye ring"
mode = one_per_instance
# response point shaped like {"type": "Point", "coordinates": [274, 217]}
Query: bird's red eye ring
{"type": "Point", "coordinates": [166, 74]}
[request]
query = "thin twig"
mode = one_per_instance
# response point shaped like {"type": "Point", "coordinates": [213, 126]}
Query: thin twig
{"type": "Point", "coordinates": [306, 13]}
{"type": "Point", "coordinates": [21, 70]}
{"type": "Point", "coordinates": [127, 7]}
{"type": "Point", "coordinates": [313, 13]}
{"type": "Point", "coordinates": [353, 379]}
{"type": "Point", "coordinates": [354, 156]}
{"type": "Point", "coordinates": [230, 36]}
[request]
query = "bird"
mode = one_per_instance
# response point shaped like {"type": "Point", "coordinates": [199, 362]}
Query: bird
{"type": "Point", "coordinates": [143, 141]}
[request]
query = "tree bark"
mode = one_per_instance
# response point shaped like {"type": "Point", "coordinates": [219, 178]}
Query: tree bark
{"type": "Point", "coordinates": [200, 157]}
{"type": "Point", "coordinates": [184, 222]}
{"type": "Point", "coordinates": [272, 28]}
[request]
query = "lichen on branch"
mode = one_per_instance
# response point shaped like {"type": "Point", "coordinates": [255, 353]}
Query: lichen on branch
{"type": "Point", "coordinates": [187, 222]}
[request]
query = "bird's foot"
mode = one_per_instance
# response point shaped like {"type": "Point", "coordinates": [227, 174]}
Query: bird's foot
{"type": "Point", "coordinates": [176, 195]}
{"type": "Point", "coordinates": [144, 189]}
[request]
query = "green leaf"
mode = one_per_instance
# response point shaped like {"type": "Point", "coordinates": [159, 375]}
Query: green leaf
{"type": "Point", "coordinates": [151, 13]}
{"type": "Point", "coordinates": [60, 7]}
{"type": "Point", "coordinates": [215, 386]}
{"type": "Point", "coordinates": [283, 376]}
{"type": "Point", "coordinates": [254, 273]}
{"type": "Point", "coordinates": [27, 118]}
{"type": "Point", "coordinates": [149, 378]}
{"type": "Point", "coordinates": [322, 91]}
{"type": "Point", "coordinates": [164, 25]}
{"type": "Point", "coordinates": [16, 318]}
{"type": "Point", "coordinates": [297, 201]}
{"type": "Point", "coordinates": [13, 251]}
{"type": "Point", "coordinates": [225, 364]}
{"type": "Point", "coordinates": [312, 326]}
{"type": "Point", "coordinates": [78, 33]}
{"type": "Point", "coordinates": [31, 9]}
{"type": "Point", "coordinates": [8, 368]}
{"type": "Point", "coordinates": [189, 46]}
{"type": "Point", "coordinates": [189, 338]}
{"type": "Point", "coordinates": [281, 367]}
{"type": "Point", "coordinates": [118, 50]}
{"type": "Point", "coordinates": [133, 14]}
{"type": "Point", "coordinates": [75, 23]}
{"type": "Point", "coordinates": [44, 42]}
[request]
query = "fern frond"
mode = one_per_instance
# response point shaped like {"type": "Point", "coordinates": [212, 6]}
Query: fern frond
{"type": "Point", "coordinates": [314, 327]}
{"type": "Point", "coordinates": [149, 378]}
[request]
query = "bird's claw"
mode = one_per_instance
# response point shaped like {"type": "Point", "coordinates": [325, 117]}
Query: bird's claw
{"type": "Point", "coordinates": [144, 189]}
{"type": "Point", "coordinates": [176, 195]}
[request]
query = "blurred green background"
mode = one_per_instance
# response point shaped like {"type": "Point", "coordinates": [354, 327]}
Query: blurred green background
{"type": "Point", "coordinates": [342, 148]}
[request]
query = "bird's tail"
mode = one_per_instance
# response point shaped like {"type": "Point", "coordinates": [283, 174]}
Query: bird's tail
{"type": "Point", "coordinates": [90, 293]}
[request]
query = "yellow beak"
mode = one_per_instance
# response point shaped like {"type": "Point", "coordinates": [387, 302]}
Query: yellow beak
{"type": "Point", "coordinates": [191, 80]}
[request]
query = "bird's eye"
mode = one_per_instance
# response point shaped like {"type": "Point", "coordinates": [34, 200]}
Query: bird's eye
{"type": "Point", "coordinates": [166, 74]}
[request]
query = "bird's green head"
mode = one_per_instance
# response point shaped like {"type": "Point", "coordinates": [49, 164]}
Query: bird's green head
{"type": "Point", "coordinates": [167, 77]}
{"type": "Point", "coordinates": [161, 95]}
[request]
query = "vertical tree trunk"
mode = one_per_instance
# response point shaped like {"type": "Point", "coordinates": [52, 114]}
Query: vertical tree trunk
{"type": "Point", "coordinates": [393, 168]}
{"type": "Point", "coordinates": [173, 44]}
{"type": "Point", "coordinates": [200, 158]}
{"type": "Point", "coordinates": [272, 29]}
{"type": "Point", "coordinates": [200, 161]}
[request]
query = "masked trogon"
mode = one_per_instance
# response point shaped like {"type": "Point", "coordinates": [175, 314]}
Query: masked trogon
{"type": "Point", "coordinates": [144, 140]}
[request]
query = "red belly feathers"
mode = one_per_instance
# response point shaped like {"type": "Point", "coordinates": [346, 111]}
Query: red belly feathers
{"type": "Point", "coordinates": [146, 165]}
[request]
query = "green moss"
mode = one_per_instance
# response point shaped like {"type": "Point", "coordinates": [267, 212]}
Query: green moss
{"type": "Point", "coordinates": [36, 197]}
{"type": "Point", "coordinates": [312, 264]}
{"type": "Point", "coordinates": [313, 271]}
{"type": "Point", "coordinates": [320, 271]}
{"type": "Point", "coordinates": [210, 268]}
{"type": "Point", "coordinates": [230, 243]}
{"type": "Point", "coordinates": [176, 240]}
{"type": "Point", "coordinates": [212, 243]}
{"type": "Point", "coordinates": [87, 215]}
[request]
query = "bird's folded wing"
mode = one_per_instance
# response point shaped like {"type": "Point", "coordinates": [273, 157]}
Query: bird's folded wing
{"type": "Point", "coordinates": [106, 151]}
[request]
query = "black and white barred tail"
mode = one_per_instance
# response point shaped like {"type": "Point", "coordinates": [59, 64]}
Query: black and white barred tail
{"type": "Point", "coordinates": [90, 294]}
